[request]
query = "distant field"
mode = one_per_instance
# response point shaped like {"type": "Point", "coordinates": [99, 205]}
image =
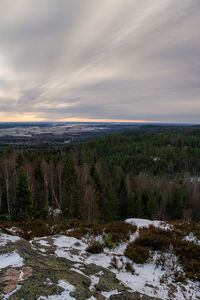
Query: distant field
{"type": "Point", "coordinates": [51, 134]}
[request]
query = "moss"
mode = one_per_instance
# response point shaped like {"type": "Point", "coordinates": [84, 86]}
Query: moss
{"type": "Point", "coordinates": [52, 267]}
{"type": "Point", "coordinates": [108, 282]}
{"type": "Point", "coordinates": [131, 296]}
{"type": "Point", "coordinates": [108, 241]}
{"type": "Point", "coordinates": [56, 268]}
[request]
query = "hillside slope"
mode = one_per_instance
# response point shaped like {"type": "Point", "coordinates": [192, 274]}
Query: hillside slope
{"type": "Point", "coordinates": [62, 266]}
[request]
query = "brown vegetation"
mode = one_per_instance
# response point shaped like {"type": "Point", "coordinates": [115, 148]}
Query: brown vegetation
{"type": "Point", "coordinates": [136, 253]}
{"type": "Point", "coordinates": [119, 231]}
{"type": "Point", "coordinates": [95, 247]}
{"type": "Point", "coordinates": [155, 239]}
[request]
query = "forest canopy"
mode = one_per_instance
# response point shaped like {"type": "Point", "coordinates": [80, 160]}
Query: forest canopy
{"type": "Point", "coordinates": [154, 175]}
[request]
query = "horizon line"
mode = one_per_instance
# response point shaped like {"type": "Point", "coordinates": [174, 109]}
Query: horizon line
{"type": "Point", "coordinates": [87, 120]}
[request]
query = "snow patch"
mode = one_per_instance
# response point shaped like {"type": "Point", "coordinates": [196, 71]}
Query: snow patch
{"type": "Point", "coordinates": [41, 241]}
{"type": "Point", "coordinates": [10, 259]}
{"type": "Point", "coordinates": [65, 295]}
{"type": "Point", "coordinates": [44, 243]}
{"type": "Point", "coordinates": [192, 238]}
{"type": "Point", "coordinates": [66, 254]}
{"type": "Point", "coordinates": [94, 281]}
{"type": "Point", "coordinates": [146, 223]}
{"type": "Point", "coordinates": [101, 259]}
{"type": "Point", "coordinates": [42, 250]}
{"type": "Point", "coordinates": [69, 242]}
{"type": "Point", "coordinates": [6, 238]}
{"type": "Point", "coordinates": [108, 294]}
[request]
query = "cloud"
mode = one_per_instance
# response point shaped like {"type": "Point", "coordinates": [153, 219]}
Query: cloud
{"type": "Point", "coordinates": [103, 59]}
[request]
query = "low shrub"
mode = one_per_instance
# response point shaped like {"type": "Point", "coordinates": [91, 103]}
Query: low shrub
{"type": "Point", "coordinates": [155, 238]}
{"type": "Point", "coordinates": [114, 263]}
{"type": "Point", "coordinates": [137, 254]}
{"type": "Point", "coordinates": [188, 253]}
{"type": "Point", "coordinates": [36, 228]}
{"type": "Point", "coordinates": [30, 229]}
{"type": "Point", "coordinates": [80, 229]}
{"type": "Point", "coordinates": [189, 257]}
{"type": "Point", "coordinates": [119, 231]}
{"type": "Point", "coordinates": [95, 247]}
{"type": "Point", "coordinates": [187, 250]}
{"type": "Point", "coordinates": [160, 260]}
{"type": "Point", "coordinates": [129, 268]}
{"type": "Point", "coordinates": [78, 233]}
{"type": "Point", "coordinates": [179, 277]}
{"type": "Point", "coordinates": [184, 228]}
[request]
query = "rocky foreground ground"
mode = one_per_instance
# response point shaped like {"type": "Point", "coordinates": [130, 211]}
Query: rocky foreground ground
{"type": "Point", "coordinates": [60, 267]}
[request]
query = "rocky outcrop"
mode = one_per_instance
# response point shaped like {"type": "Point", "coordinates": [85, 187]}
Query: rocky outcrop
{"type": "Point", "coordinates": [40, 274]}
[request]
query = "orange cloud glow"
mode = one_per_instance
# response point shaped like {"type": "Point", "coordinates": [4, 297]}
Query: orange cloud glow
{"type": "Point", "coordinates": [104, 120]}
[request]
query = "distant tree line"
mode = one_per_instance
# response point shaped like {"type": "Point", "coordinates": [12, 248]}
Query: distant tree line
{"type": "Point", "coordinates": [155, 176]}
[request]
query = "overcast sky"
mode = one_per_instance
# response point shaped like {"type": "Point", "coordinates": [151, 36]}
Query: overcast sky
{"type": "Point", "coordinates": [100, 59]}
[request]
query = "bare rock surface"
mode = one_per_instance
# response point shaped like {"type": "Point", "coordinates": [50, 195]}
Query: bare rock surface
{"type": "Point", "coordinates": [40, 275]}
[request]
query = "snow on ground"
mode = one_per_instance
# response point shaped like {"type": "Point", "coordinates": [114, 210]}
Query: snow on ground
{"type": "Point", "coordinates": [41, 241]}
{"type": "Point", "coordinates": [68, 255]}
{"type": "Point", "coordinates": [95, 281]}
{"type": "Point", "coordinates": [147, 279]}
{"type": "Point", "coordinates": [10, 259]}
{"type": "Point", "coordinates": [69, 242]}
{"type": "Point", "coordinates": [42, 250]}
{"type": "Point", "coordinates": [146, 223]}
{"type": "Point", "coordinates": [6, 238]}
{"type": "Point", "coordinates": [78, 271]}
{"type": "Point", "coordinates": [44, 243]}
{"type": "Point", "coordinates": [101, 259]}
{"type": "Point", "coordinates": [14, 230]}
{"type": "Point", "coordinates": [64, 246]}
{"type": "Point", "coordinates": [48, 282]}
{"type": "Point", "coordinates": [150, 278]}
{"type": "Point", "coordinates": [108, 294]}
{"type": "Point", "coordinates": [192, 238]}
{"type": "Point", "coordinates": [65, 295]}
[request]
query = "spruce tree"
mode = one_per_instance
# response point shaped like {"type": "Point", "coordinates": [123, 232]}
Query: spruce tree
{"type": "Point", "coordinates": [40, 208]}
{"type": "Point", "coordinates": [138, 207]}
{"type": "Point", "coordinates": [175, 206]}
{"type": "Point", "coordinates": [40, 204]}
{"type": "Point", "coordinates": [23, 197]}
{"type": "Point", "coordinates": [152, 206]}
{"type": "Point", "coordinates": [71, 191]}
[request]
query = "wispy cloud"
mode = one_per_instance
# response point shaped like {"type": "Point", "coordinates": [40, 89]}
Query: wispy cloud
{"type": "Point", "coordinates": [103, 59]}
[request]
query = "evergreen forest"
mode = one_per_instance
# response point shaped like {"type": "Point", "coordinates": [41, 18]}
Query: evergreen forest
{"type": "Point", "coordinates": [154, 176]}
